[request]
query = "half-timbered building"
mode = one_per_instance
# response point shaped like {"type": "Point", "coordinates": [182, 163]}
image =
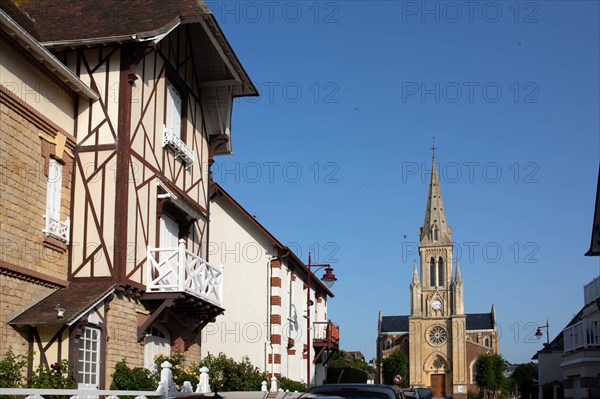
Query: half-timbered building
{"type": "Point", "coordinates": [269, 325]}
{"type": "Point", "coordinates": [137, 282]}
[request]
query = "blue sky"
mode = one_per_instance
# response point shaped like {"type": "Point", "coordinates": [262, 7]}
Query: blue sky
{"type": "Point", "coordinates": [334, 157]}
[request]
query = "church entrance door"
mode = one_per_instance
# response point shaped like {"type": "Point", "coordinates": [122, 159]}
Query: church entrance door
{"type": "Point", "coordinates": [438, 385]}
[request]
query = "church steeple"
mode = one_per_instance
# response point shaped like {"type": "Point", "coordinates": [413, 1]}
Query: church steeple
{"type": "Point", "coordinates": [435, 230]}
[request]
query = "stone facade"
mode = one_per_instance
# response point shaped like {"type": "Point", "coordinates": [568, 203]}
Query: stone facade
{"type": "Point", "coordinates": [440, 339]}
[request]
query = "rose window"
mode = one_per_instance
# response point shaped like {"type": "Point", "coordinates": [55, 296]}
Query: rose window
{"type": "Point", "coordinates": [437, 335]}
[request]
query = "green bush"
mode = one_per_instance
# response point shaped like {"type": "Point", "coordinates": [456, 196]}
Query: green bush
{"type": "Point", "coordinates": [225, 374]}
{"type": "Point", "coordinates": [181, 370]}
{"type": "Point", "coordinates": [133, 379]}
{"type": "Point", "coordinates": [10, 370]}
{"type": "Point", "coordinates": [58, 376]}
{"type": "Point", "coordinates": [290, 385]}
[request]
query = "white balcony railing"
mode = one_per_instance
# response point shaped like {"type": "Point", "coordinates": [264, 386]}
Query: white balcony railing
{"type": "Point", "coordinates": [180, 150]}
{"type": "Point", "coordinates": [583, 334]}
{"type": "Point", "coordinates": [591, 291]}
{"type": "Point", "coordinates": [177, 269]}
{"type": "Point", "coordinates": [57, 229]}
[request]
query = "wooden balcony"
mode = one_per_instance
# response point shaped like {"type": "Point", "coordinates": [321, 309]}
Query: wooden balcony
{"type": "Point", "coordinates": [178, 270]}
{"type": "Point", "coordinates": [326, 339]}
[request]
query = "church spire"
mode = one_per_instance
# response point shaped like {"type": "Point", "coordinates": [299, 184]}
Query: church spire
{"type": "Point", "coordinates": [435, 229]}
{"type": "Point", "coordinates": [457, 277]}
{"type": "Point", "coordinates": [415, 278]}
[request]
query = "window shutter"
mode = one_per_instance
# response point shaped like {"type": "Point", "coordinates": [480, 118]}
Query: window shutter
{"type": "Point", "coordinates": [54, 189]}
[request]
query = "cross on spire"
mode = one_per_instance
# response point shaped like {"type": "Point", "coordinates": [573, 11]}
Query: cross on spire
{"type": "Point", "coordinates": [433, 147]}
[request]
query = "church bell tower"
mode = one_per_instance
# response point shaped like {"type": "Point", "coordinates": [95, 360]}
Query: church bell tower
{"type": "Point", "coordinates": [437, 322]}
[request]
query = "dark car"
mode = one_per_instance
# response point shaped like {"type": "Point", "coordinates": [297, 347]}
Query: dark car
{"type": "Point", "coordinates": [425, 392]}
{"type": "Point", "coordinates": [358, 391]}
{"type": "Point", "coordinates": [411, 393]}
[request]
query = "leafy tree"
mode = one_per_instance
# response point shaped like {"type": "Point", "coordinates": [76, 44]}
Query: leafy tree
{"type": "Point", "coordinates": [395, 363]}
{"type": "Point", "coordinates": [489, 369]}
{"type": "Point", "coordinates": [339, 360]}
{"type": "Point", "coordinates": [523, 376]}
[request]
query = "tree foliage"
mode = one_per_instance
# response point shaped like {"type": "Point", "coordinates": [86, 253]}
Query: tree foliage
{"type": "Point", "coordinates": [489, 369]}
{"type": "Point", "coordinates": [339, 360]}
{"type": "Point", "coordinates": [396, 363]}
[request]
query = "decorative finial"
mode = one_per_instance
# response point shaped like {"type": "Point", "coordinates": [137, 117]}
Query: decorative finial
{"type": "Point", "coordinates": [433, 147]}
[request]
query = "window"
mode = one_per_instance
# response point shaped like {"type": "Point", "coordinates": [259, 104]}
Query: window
{"type": "Point", "coordinates": [173, 113]}
{"type": "Point", "coordinates": [432, 272]}
{"type": "Point", "coordinates": [54, 227]}
{"type": "Point", "coordinates": [169, 260]}
{"type": "Point", "coordinates": [440, 272]}
{"type": "Point", "coordinates": [487, 342]}
{"type": "Point", "coordinates": [435, 234]}
{"type": "Point", "coordinates": [158, 342]}
{"type": "Point", "coordinates": [88, 368]}
{"type": "Point", "coordinates": [174, 134]}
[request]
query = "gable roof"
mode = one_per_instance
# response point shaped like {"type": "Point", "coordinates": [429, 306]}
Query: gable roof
{"type": "Point", "coordinates": [74, 24]}
{"type": "Point", "coordinates": [109, 20]}
{"type": "Point", "coordinates": [399, 324]}
{"type": "Point", "coordinates": [77, 299]}
{"type": "Point", "coordinates": [217, 191]}
{"type": "Point", "coordinates": [595, 244]}
{"type": "Point", "coordinates": [394, 324]}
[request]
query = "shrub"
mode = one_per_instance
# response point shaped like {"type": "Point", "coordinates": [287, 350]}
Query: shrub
{"type": "Point", "coordinates": [133, 379]}
{"type": "Point", "coordinates": [181, 371]}
{"type": "Point", "coordinates": [58, 376]}
{"type": "Point", "coordinates": [226, 374]}
{"type": "Point", "coordinates": [10, 370]}
{"type": "Point", "coordinates": [290, 385]}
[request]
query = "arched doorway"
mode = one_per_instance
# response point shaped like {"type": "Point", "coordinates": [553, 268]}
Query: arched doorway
{"type": "Point", "coordinates": [158, 342]}
{"type": "Point", "coordinates": [437, 378]}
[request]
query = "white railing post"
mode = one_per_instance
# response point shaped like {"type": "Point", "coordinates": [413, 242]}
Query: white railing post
{"type": "Point", "coordinates": [221, 286]}
{"type": "Point", "coordinates": [182, 265]}
{"type": "Point", "coordinates": [274, 384]}
{"type": "Point", "coordinates": [149, 267]}
{"type": "Point", "coordinates": [203, 383]}
{"type": "Point", "coordinates": [166, 387]}
{"type": "Point", "coordinates": [67, 229]}
{"type": "Point", "coordinates": [187, 387]}
{"type": "Point", "coordinates": [263, 386]}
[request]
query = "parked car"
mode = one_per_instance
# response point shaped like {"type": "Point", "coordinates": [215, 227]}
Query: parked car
{"type": "Point", "coordinates": [358, 391]}
{"type": "Point", "coordinates": [411, 393]}
{"type": "Point", "coordinates": [425, 392]}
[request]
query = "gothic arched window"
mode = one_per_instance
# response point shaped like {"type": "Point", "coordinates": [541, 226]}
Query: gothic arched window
{"type": "Point", "coordinates": [432, 272]}
{"type": "Point", "coordinates": [435, 234]}
{"type": "Point", "coordinates": [440, 272]}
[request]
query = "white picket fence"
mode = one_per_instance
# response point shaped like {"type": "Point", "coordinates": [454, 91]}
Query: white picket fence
{"type": "Point", "coordinates": [166, 389]}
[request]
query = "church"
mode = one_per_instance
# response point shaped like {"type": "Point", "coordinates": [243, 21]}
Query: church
{"type": "Point", "coordinates": [441, 340]}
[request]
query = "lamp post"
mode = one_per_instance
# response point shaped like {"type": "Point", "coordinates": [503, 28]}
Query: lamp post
{"type": "Point", "coordinates": [539, 333]}
{"type": "Point", "coordinates": [328, 279]}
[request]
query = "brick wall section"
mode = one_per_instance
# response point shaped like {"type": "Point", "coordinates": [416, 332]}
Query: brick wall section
{"type": "Point", "coordinates": [23, 196]}
{"type": "Point", "coordinates": [275, 264]}
{"type": "Point", "coordinates": [276, 339]}
{"type": "Point", "coordinates": [122, 332]}
{"type": "Point", "coordinates": [276, 319]}
{"type": "Point", "coordinates": [15, 296]}
{"type": "Point", "coordinates": [276, 281]}
{"type": "Point", "coordinates": [277, 358]}
{"type": "Point", "coordinates": [276, 300]}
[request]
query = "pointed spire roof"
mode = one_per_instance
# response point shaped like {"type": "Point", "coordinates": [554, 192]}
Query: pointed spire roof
{"type": "Point", "coordinates": [435, 215]}
{"type": "Point", "coordinates": [415, 278]}
{"type": "Point", "coordinates": [457, 276]}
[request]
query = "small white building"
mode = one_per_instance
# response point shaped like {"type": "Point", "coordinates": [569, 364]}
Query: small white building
{"type": "Point", "coordinates": [266, 298]}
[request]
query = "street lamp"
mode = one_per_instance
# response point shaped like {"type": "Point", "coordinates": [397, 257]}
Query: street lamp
{"type": "Point", "coordinates": [328, 279]}
{"type": "Point", "coordinates": [539, 333]}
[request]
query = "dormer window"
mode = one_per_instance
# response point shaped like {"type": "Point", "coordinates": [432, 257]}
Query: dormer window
{"type": "Point", "coordinates": [173, 112]}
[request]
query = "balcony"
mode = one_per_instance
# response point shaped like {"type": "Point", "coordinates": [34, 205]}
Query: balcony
{"type": "Point", "coordinates": [57, 229]}
{"type": "Point", "coordinates": [178, 147]}
{"type": "Point", "coordinates": [582, 335]}
{"type": "Point", "coordinates": [179, 270]}
{"type": "Point", "coordinates": [326, 338]}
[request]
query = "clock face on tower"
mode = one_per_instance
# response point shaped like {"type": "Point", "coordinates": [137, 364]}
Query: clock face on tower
{"type": "Point", "coordinates": [436, 305]}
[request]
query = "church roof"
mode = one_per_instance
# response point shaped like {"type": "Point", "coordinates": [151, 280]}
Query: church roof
{"type": "Point", "coordinates": [394, 324]}
{"type": "Point", "coordinates": [399, 324]}
{"type": "Point", "coordinates": [480, 321]}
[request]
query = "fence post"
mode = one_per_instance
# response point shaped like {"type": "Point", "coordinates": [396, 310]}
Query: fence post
{"type": "Point", "coordinates": [166, 387]}
{"type": "Point", "coordinates": [274, 384]}
{"type": "Point", "coordinates": [263, 386]}
{"type": "Point", "coordinates": [181, 265]}
{"type": "Point", "coordinates": [203, 384]}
